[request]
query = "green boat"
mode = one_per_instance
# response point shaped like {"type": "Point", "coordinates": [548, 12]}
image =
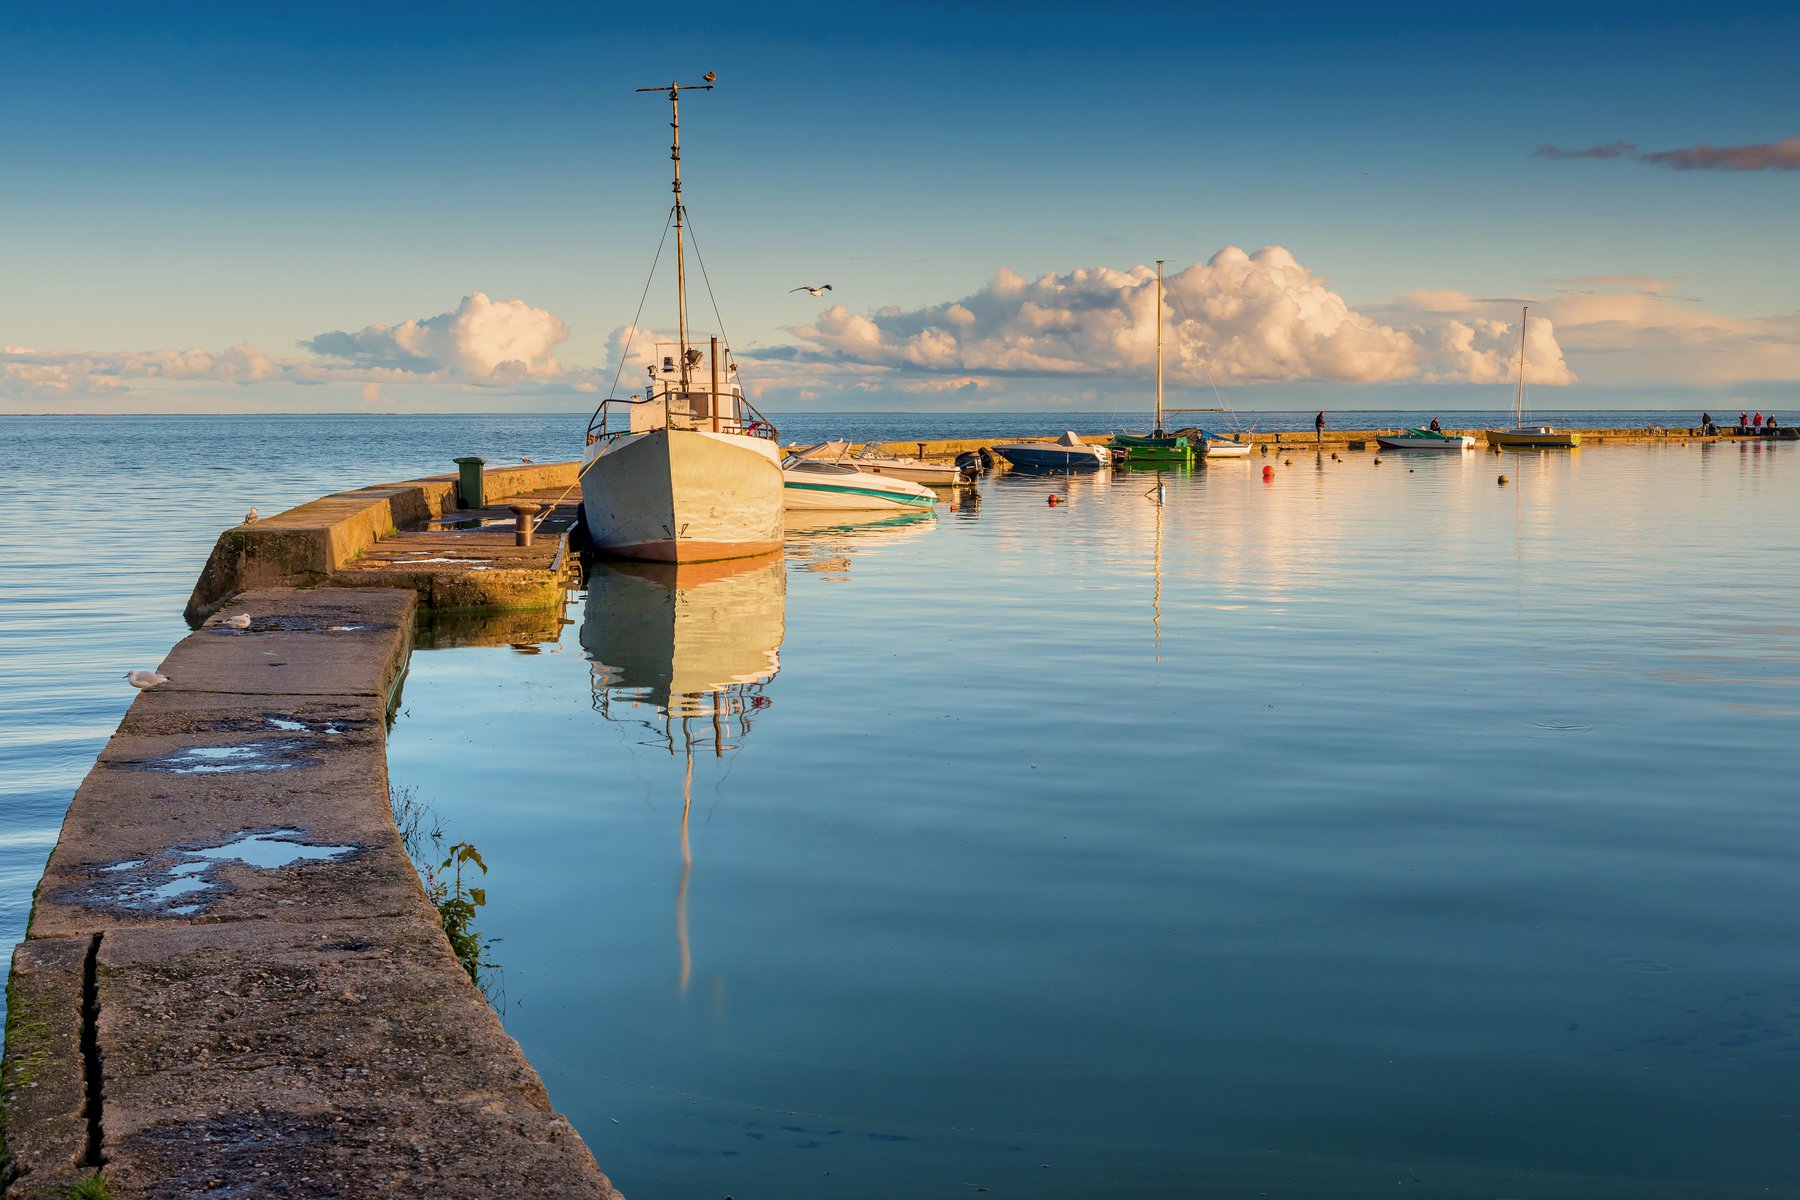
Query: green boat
{"type": "Point", "coordinates": [1152, 448]}
{"type": "Point", "coordinates": [1156, 447]}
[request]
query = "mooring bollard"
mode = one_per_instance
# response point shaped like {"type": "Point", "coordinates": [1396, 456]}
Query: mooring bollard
{"type": "Point", "coordinates": [522, 513]}
{"type": "Point", "coordinates": [921, 451]}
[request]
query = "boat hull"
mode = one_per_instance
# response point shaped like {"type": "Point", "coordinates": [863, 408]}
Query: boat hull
{"type": "Point", "coordinates": [1149, 449]}
{"type": "Point", "coordinates": [1544, 436]}
{"type": "Point", "coordinates": [1048, 456]}
{"type": "Point", "coordinates": [1223, 449]}
{"type": "Point", "coordinates": [1426, 440]}
{"type": "Point", "coordinates": [931, 474]}
{"type": "Point", "coordinates": [682, 495]}
{"type": "Point", "coordinates": [805, 495]}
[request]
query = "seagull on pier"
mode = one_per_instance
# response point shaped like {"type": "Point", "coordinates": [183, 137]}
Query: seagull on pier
{"type": "Point", "coordinates": [252, 517]}
{"type": "Point", "coordinates": [241, 621]}
{"type": "Point", "coordinates": [524, 460]}
{"type": "Point", "coordinates": [143, 681]}
{"type": "Point", "coordinates": [814, 292]}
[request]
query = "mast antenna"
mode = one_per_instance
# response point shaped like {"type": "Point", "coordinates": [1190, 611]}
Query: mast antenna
{"type": "Point", "coordinates": [675, 90]}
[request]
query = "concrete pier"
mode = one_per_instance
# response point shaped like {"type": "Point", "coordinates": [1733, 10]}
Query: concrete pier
{"type": "Point", "coordinates": [233, 980]}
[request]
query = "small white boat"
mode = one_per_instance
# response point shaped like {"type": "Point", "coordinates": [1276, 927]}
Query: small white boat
{"type": "Point", "coordinates": [1066, 453]}
{"type": "Point", "coordinates": [1425, 439]}
{"type": "Point", "coordinates": [1214, 445]}
{"type": "Point", "coordinates": [813, 485]}
{"type": "Point", "coordinates": [872, 460]}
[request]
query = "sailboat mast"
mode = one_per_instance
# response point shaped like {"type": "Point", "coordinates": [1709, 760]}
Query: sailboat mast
{"type": "Point", "coordinates": [1159, 324]}
{"type": "Point", "coordinates": [675, 90]}
{"type": "Point", "coordinates": [1519, 398]}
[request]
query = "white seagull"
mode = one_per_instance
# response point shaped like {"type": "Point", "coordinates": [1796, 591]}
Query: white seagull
{"type": "Point", "coordinates": [241, 621]}
{"type": "Point", "coordinates": [814, 292]}
{"type": "Point", "coordinates": [143, 681]}
{"type": "Point", "coordinates": [252, 517]}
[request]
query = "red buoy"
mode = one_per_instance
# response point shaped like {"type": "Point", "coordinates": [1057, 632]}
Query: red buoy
{"type": "Point", "coordinates": [1268, 472]}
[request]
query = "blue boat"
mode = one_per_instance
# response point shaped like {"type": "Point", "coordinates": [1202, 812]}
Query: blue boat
{"type": "Point", "coordinates": [1066, 453]}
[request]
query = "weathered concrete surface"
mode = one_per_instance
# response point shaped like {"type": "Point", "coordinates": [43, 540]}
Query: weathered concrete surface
{"type": "Point", "coordinates": [278, 1010]}
{"type": "Point", "coordinates": [347, 1058]}
{"type": "Point", "coordinates": [479, 567]}
{"type": "Point", "coordinates": [305, 546]}
{"type": "Point", "coordinates": [43, 1086]}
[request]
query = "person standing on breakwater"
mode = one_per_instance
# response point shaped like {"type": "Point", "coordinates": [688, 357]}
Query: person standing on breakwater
{"type": "Point", "coordinates": [1706, 423]}
{"type": "Point", "coordinates": [1319, 428]}
{"type": "Point", "coordinates": [1757, 421]}
{"type": "Point", "coordinates": [1743, 422]}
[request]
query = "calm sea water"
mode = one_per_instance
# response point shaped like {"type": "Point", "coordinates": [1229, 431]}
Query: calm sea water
{"type": "Point", "coordinates": [1371, 829]}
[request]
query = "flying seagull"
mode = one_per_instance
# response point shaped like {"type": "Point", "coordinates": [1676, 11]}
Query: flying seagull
{"type": "Point", "coordinates": [814, 292]}
{"type": "Point", "coordinates": [241, 621]}
{"type": "Point", "coordinates": [143, 681]}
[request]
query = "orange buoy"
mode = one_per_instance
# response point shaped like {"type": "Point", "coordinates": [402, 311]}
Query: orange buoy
{"type": "Point", "coordinates": [1268, 472]}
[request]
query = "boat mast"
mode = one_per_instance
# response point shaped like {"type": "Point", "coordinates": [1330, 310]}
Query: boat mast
{"type": "Point", "coordinates": [675, 90]}
{"type": "Point", "coordinates": [1159, 307]}
{"type": "Point", "coordinates": [1519, 399]}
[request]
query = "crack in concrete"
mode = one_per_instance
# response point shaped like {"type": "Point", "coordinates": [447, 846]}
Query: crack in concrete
{"type": "Point", "coordinates": [93, 1108]}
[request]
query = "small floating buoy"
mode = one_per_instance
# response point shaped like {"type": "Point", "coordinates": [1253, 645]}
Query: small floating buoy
{"type": "Point", "coordinates": [1378, 460]}
{"type": "Point", "coordinates": [1268, 472]}
{"type": "Point", "coordinates": [1055, 500]}
{"type": "Point", "coordinates": [1265, 451]}
{"type": "Point", "coordinates": [1287, 462]}
{"type": "Point", "coordinates": [1495, 449]}
{"type": "Point", "coordinates": [1409, 470]}
{"type": "Point", "coordinates": [1503, 481]}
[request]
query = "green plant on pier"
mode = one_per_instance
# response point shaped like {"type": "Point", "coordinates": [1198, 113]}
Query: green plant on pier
{"type": "Point", "coordinates": [422, 834]}
{"type": "Point", "coordinates": [91, 1187]}
{"type": "Point", "coordinates": [456, 904]}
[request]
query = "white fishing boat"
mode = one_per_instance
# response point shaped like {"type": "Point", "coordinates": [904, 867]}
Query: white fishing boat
{"type": "Point", "coordinates": [815, 485]}
{"type": "Point", "coordinates": [1522, 434]}
{"type": "Point", "coordinates": [689, 470]}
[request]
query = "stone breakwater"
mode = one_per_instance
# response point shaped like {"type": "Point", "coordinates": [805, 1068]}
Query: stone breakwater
{"type": "Point", "coordinates": [232, 979]}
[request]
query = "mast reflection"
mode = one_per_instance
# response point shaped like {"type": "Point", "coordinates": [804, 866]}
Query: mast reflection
{"type": "Point", "coordinates": [684, 651]}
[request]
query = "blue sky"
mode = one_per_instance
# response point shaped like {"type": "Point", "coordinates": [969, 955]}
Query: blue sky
{"type": "Point", "coordinates": [193, 195]}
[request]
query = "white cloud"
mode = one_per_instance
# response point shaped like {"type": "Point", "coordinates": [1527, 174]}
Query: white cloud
{"type": "Point", "coordinates": [482, 344]}
{"type": "Point", "coordinates": [1237, 319]}
{"type": "Point", "coordinates": [482, 339]}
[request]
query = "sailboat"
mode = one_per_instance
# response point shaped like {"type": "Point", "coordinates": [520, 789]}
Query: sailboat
{"type": "Point", "coordinates": [1522, 434]}
{"type": "Point", "coordinates": [1156, 447]}
{"type": "Point", "coordinates": [689, 471]}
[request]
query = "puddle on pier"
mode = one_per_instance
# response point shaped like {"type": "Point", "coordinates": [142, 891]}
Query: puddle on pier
{"type": "Point", "coordinates": [183, 887]}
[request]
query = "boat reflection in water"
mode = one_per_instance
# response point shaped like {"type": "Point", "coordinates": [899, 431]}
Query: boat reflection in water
{"type": "Point", "coordinates": [684, 651]}
{"type": "Point", "coordinates": [822, 542]}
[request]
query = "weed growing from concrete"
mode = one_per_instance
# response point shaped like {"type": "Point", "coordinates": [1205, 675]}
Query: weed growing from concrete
{"type": "Point", "coordinates": [422, 834]}
{"type": "Point", "coordinates": [93, 1187]}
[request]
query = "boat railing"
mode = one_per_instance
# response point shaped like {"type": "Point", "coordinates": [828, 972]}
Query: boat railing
{"type": "Point", "coordinates": [605, 424]}
{"type": "Point", "coordinates": [746, 420]}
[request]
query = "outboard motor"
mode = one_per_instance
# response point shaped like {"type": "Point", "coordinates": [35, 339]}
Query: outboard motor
{"type": "Point", "coordinates": [970, 464]}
